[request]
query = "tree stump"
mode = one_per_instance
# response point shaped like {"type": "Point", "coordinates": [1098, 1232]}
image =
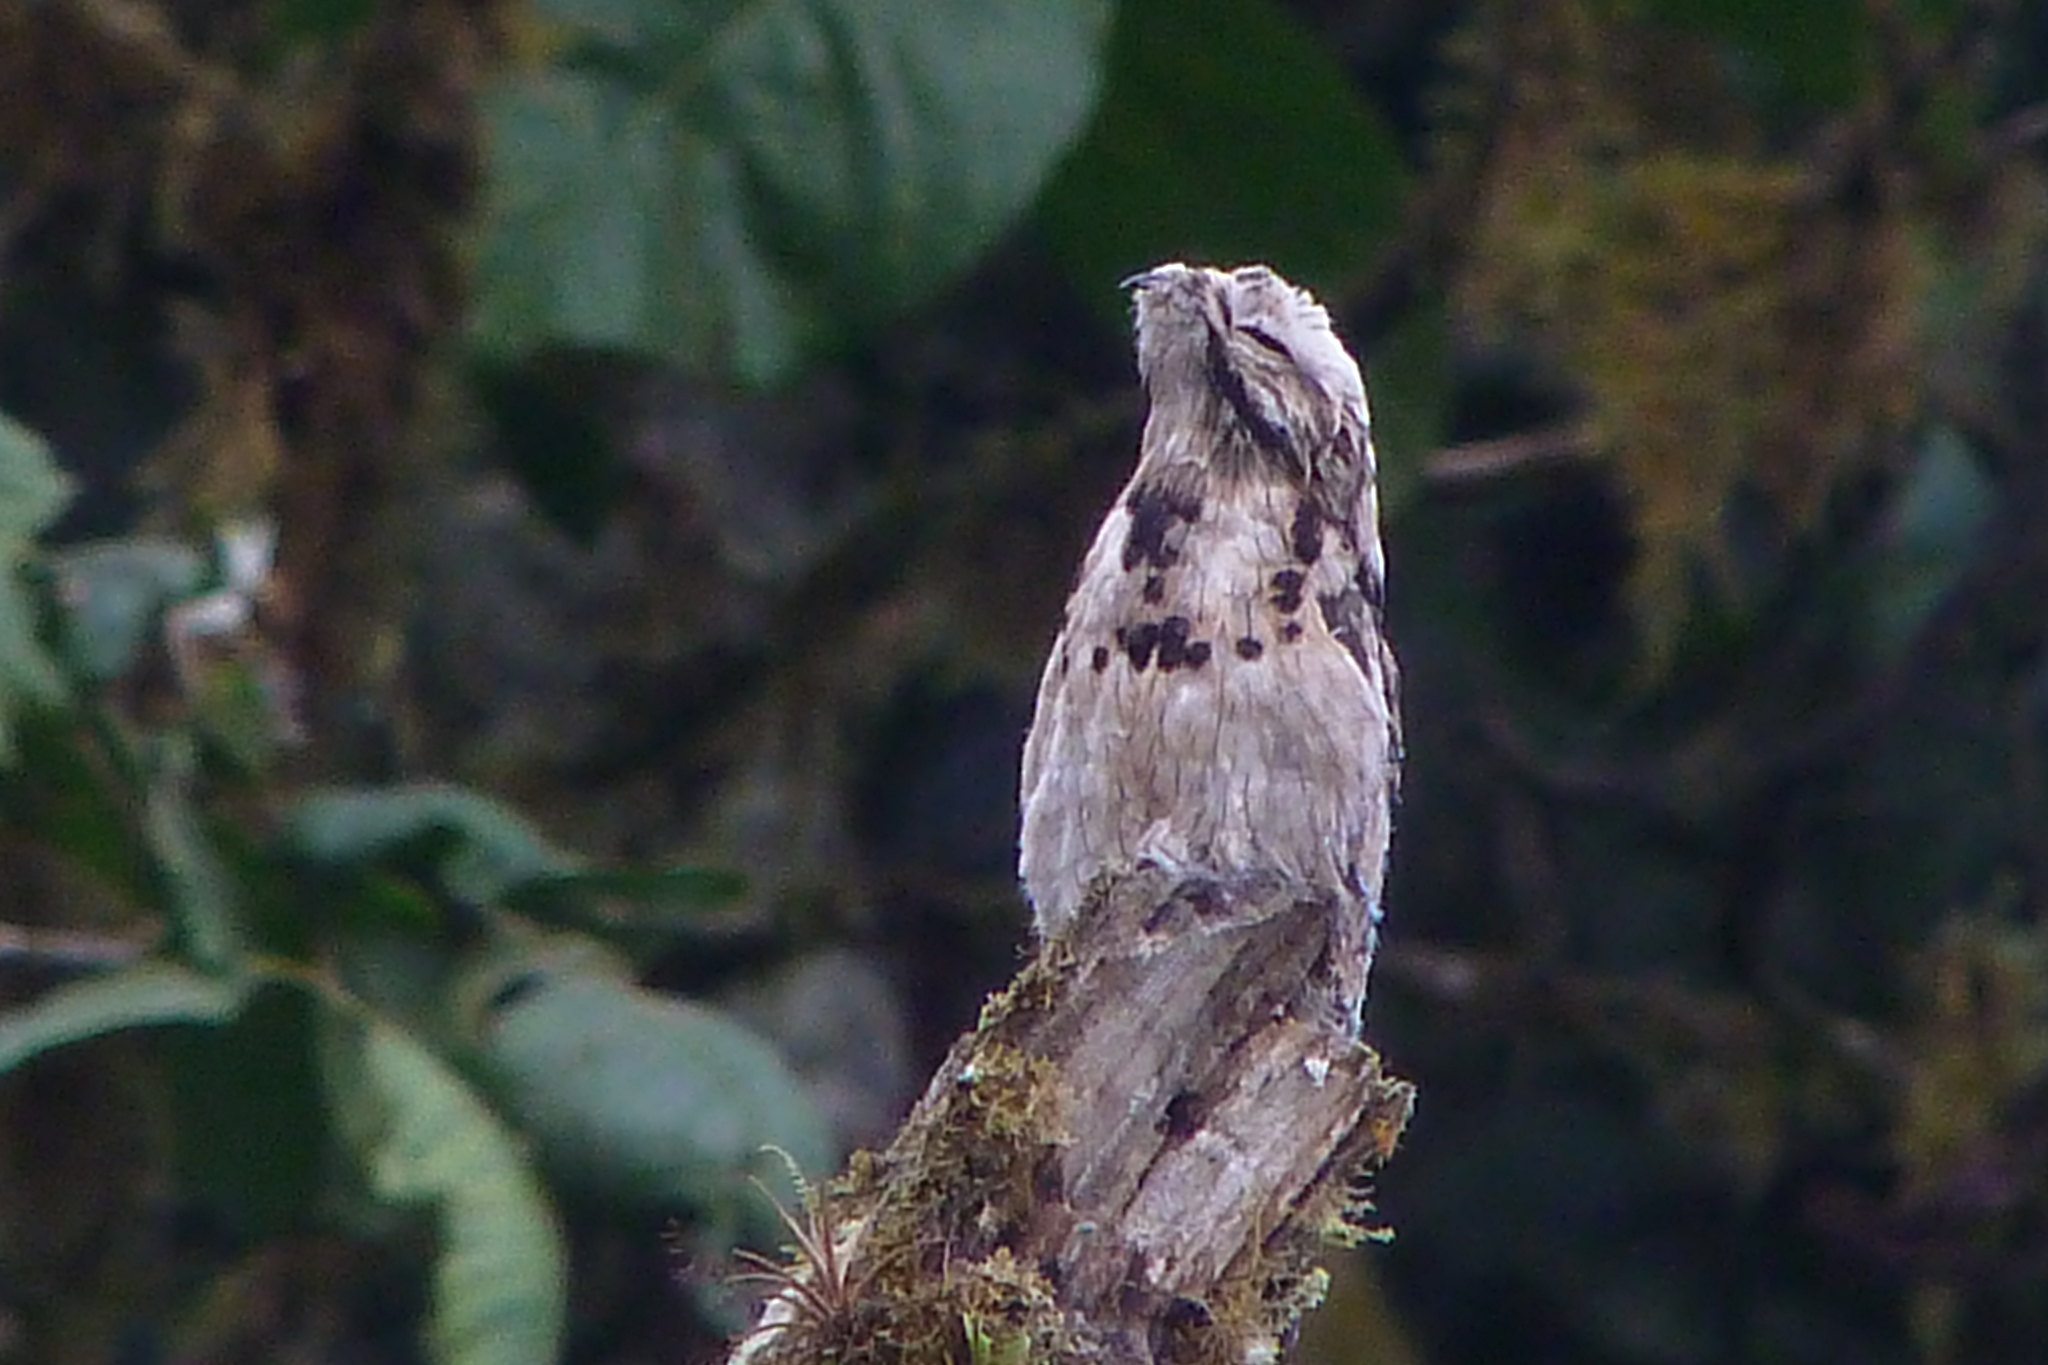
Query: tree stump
{"type": "Point", "coordinates": [1137, 1156]}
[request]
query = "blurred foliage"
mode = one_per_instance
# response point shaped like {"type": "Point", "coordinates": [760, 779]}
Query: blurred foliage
{"type": "Point", "coordinates": [527, 529]}
{"type": "Point", "coordinates": [1742, 315]}
{"type": "Point", "coordinates": [1188, 79]}
{"type": "Point", "coordinates": [31, 490]}
{"type": "Point", "coordinates": [728, 186]}
{"type": "Point", "coordinates": [245, 890]}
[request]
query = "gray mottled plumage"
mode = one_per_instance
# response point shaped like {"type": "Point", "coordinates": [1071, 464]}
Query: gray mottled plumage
{"type": "Point", "coordinates": [1221, 698]}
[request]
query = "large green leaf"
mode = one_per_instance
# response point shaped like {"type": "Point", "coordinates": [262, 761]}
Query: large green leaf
{"type": "Point", "coordinates": [76, 799]}
{"type": "Point", "coordinates": [482, 852]}
{"type": "Point", "coordinates": [146, 994]}
{"type": "Point", "coordinates": [114, 595]}
{"type": "Point", "coordinates": [32, 488]}
{"type": "Point", "coordinates": [32, 491]}
{"type": "Point", "coordinates": [728, 184]}
{"type": "Point", "coordinates": [482, 849]}
{"type": "Point", "coordinates": [426, 1140]}
{"type": "Point", "coordinates": [648, 899]}
{"type": "Point", "coordinates": [640, 1097]}
{"type": "Point", "coordinates": [1227, 134]}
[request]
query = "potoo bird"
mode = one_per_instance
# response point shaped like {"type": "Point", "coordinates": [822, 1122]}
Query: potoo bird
{"type": "Point", "coordinates": [1221, 698]}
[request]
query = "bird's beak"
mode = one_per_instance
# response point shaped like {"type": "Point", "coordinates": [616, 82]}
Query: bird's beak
{"type": "Point", "coordinates": [1145, 279]}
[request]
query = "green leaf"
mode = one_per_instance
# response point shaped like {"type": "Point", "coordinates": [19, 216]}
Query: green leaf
{"type": "Point", "coordinates": [638, 1097]}
{"type": "Point", "coordinates": [1228, 133]}
{"type": "Point", "coordinates": [114, 595]}
{"type": "Point", "coordinates": [733, 185]}
{"type": "Point", "coordinates": [74, 798]}
{"type": "Point", "coordinates": [147, 994]}
{"type": "Point", "coordinates": [426, 1140]}
{"type": "Point", "coordinates": [32, 489]}
{"type": "Point", "coordinates": [481, 849]}
{"type": "Point", "coordinates": [680, 890]}
{"type": "Point", "coordinates": [200, 896]}
{"type": "Point", "coordinates": [32, 492]}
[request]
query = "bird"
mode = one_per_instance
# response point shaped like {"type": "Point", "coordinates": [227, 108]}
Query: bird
{"type": "Point", "coordinates": [1221, 698]}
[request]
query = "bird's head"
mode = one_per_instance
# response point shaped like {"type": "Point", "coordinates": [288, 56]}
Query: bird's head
{"type": "Point", "coordinates": [1256, 357]}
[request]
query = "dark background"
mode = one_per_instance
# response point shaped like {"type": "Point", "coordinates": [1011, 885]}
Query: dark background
{"type": "Point", "coordinates": [680, 422]}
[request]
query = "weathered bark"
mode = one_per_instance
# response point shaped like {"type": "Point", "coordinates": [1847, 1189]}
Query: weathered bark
{"type": "Point", "coordinates": [1135, 1158]}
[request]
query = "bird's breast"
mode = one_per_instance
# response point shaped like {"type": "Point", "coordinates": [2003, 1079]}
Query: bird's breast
{"type": "Point", "coordinates": [1203, 706]}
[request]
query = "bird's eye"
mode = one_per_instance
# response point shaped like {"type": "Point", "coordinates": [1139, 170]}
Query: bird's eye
{"type": "Point", "coordinates": [1269, 341]}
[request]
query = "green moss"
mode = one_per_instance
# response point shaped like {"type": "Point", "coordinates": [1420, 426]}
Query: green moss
{"type": "Point", "coordinates": [1035, 991]}
{"type": "Point", "coordinates": [936, 1281]}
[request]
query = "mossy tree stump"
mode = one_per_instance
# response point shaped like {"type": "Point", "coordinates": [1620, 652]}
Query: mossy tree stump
{"type": "Point", "coordinates": [1136, 1157]}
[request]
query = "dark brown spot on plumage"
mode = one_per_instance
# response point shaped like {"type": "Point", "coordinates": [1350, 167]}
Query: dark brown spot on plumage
{"type": "Point", "coordinates": [1306, 535]}
{"type": "Point", "coordinates": [1139, 641]}
{"type": "Point", "coordinates": [1198, 653]}
{"type": "Point", "coordinates": [1158, 518]}
{"type": "Point", "coordinates": [1291, 631]}
{"type": "Point", "coordinates": [1287, 590]}
{"type": "Point", "coordinates": [1173, 642]}
{"type": "Point", "coordinates": [1099, 660]}
{"type": "Point", "coordinates": [1249, 648]}
{"type": "Point", "coordinates": [1155, 589]}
